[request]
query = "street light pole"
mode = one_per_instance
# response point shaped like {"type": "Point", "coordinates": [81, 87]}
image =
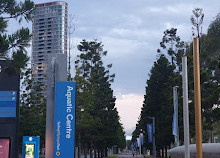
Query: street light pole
{"type": "Point", "coordinates": [140, 139]}
{"type": "Point", "coordinates": [140, 144]}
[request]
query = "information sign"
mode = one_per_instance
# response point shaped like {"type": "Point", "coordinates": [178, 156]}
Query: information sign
{"type": "Point", "coordinates": [8, 100]}
{"type": "Point", "coordinates": [4, 148]}
{"type": "Point", "coordinates": [64, 120]}
{"type": "Point", "coordinates": [30, 147]}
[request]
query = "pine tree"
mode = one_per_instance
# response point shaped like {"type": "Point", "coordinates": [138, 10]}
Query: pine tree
{"type": "Point", "coordinates": [95, 97]}
{"type": "Point", "coordinates": [158, 103]}
{"type": "Point", "coordinates": [16, 42]}
{"type": "Point", "coordinates": [32, 109]}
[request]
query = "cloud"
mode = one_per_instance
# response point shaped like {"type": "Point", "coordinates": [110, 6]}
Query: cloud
{"type": "Point", "coordinates": [131, 32]}
{"type": "Point", "coordinates": [129, 108]}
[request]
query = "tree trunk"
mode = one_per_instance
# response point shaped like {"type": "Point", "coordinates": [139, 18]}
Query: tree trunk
{"type": "Point", "coordinates": [79, 147]}
{"type": "Point", "coordinates": [106, 152]}
{"type": "Point", "coordinates": [90, 152]}
{"type": "Point", "coordinates": [163, 152]}
{"type": "Point", "coordinates": [102, 151]}
{"type": "Point", "coordinates": [85, 151]}
{"type": "Point", "coordinates": [99, 153]}
{"type": "Point", "coordinates": [95, 151]}
{"type": "Point", "coordinates": [158, 153]}
{"type": "Point", "coordinates": [166, 152]}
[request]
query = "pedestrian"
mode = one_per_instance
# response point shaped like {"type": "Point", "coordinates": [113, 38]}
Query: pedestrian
{"type": "Point", "coordinates": [133, 151]}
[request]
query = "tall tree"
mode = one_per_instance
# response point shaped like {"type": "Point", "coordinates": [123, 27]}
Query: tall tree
{"type": "Point", "coordinates": [173, 46]}
{"type": "Point", "coordinates": [158, 102]}
{"type": "Point", "coordinates": [32, 109]}
{"type": "Point", "coordinates": [95, 97]}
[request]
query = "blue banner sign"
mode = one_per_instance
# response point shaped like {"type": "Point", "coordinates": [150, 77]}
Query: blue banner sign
{"type": "Point", "coordinates": [150, 132]}
{"type": "Point", "coordinates": [30, 147]}
{"type": "Point", "coordinates": [175, 115]}
{"type": "Point", "coordinates": [142, 138]}
{"type": "Point", "coordinates": [8, 100]}
{"type": "Point", "coordinates": [64, 120]}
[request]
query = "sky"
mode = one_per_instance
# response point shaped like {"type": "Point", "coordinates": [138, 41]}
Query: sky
{"type": "Point", "coordinates": [131, 31]}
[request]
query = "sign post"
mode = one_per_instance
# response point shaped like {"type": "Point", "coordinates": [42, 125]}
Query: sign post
{"type": "Point", "coordinates": [56, 71]}
{"type": "Point", "coordinates": [64, 137]}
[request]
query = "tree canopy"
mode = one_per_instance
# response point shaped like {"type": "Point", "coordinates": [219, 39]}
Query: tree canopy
{"type": "Point", "coordinates": [12, 46]}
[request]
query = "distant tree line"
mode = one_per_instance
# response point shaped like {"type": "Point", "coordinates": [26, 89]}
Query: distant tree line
{"type": "Point", "coordinates": [167, 73]}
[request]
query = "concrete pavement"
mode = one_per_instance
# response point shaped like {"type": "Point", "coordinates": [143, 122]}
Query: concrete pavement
{"type": "Point", "coordinates": [129, 155]}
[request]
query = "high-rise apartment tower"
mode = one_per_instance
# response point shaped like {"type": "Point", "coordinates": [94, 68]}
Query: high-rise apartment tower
{"type": "Point", "coordinates": [49, 36]}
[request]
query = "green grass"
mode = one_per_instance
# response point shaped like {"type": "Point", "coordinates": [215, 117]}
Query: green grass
{"type": "Point", "coordinates": [112, 156]}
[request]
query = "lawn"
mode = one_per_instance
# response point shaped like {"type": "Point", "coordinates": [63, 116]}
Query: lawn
{"type": "Point", "coordinates": [112, 156]}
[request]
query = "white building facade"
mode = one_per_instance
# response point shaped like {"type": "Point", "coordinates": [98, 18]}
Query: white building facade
{"type": "Point", "coordinates": [49, 36]}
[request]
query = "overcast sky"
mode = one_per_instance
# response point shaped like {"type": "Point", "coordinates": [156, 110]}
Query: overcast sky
{"type": "Point", "coordinates": [131, 31]}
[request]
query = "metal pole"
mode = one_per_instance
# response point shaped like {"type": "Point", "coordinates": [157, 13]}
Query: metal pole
{"type": "Point", "coordinates": [197, 98]}
{"type": "Point", "coordinates": [185, 107]}
{"type": "Point", "coordinates": [154, 144]}
{"type": "Point", "coordinates": [140, 144]}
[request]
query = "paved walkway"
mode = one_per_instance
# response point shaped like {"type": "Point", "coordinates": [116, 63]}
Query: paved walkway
{"type": "Point", "coordinates": [129, 156]}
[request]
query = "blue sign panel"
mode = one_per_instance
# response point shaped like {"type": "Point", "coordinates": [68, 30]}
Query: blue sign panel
{"type": "Point", "coordinates": [7, 104]}
{"type": "Point", "coordinates": [30, 147]}
{"type": "Point", "coordinates": [8, 93]}
{"type": "Point", "coordinates": [7, 114]}
{"type": "Point", "coordinates": [64, 136]}
{"type": "Point", "coordinates": [150, 132]}
{"type": "Point", "coordinates": [8, 101]}
{"type": "Point", "coordinates": [7, 98]}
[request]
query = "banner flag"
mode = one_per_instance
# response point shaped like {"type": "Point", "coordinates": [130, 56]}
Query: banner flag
{"type": "Point", "coordinates": [142, 138]}
{"type": "Point", "coordinates": [150, 132]}
{"type": "Point", "coordinates": [175, 114]}
{"type": "Point", "coordinates": [132, 146]}
{"type": "Point", "coordinates": [138, 142]}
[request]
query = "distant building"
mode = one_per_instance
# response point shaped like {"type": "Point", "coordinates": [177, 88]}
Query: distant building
{"type": "Point", "coordinates": [49, 36]}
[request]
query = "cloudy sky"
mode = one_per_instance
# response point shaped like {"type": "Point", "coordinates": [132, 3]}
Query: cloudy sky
{"type": "Point", "coordinates": [131, 31]}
